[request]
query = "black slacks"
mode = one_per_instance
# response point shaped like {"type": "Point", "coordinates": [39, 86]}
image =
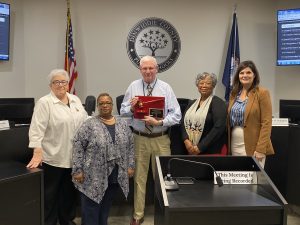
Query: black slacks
{"type": "Point", "coordinates": [59, 195]}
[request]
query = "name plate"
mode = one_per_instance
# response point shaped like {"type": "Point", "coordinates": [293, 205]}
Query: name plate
{"type": "Point", "coordinates": [4, 124]}
{"type": "Point", "coordinates": [280, 122]}
{"type": "Point", "coordinates": [237, 177]}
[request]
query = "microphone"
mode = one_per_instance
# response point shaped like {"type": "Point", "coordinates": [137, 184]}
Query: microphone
{"type": "Point", "coordinates": [169, 181]}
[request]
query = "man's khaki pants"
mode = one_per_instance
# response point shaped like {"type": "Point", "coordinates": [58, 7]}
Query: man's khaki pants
{"type": "Point", "coordinates": [146, 148]}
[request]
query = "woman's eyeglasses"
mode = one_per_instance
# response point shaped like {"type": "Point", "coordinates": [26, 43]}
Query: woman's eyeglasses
{"type": "Point", "coordinates": [60, 82]}
{"type": "Point", "coordinates": [104, 103]}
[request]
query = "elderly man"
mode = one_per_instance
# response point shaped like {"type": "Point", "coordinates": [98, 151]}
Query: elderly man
{"type": "Point", "coordinates": [150, 134]}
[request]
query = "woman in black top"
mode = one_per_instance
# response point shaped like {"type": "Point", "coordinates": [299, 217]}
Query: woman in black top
{"type": "Point", "coordinates": [204, 121]}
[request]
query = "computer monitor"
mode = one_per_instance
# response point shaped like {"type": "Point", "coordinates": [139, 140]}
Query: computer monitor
{"type": "Point", "coordinates": [16, 110]}
{"type": "Point", "coordinates": [4, 30]}
{"type": "Point", "coordinates": [290, 109]}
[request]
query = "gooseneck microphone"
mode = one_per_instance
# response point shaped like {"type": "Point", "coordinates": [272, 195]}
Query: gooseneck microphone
{"type": "Point", "coordinates": [171, 184]}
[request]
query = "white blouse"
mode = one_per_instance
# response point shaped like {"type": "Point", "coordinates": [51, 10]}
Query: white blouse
{"type": "Point", "coordinates": [53, 127]}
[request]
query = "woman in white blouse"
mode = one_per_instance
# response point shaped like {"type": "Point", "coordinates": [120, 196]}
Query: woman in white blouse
{"type": "Point", "coordinates": [55, 119]}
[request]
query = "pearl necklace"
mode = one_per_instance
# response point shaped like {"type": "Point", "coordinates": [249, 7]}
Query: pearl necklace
{"type": "Point", "coordinates": [107, 120]}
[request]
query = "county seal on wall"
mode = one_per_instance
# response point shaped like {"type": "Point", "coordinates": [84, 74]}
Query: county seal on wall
{"type": "Point", "coordinates": [155, 37]}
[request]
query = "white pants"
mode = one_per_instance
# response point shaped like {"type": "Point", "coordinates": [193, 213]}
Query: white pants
{"type": "Point", "coordinates": [238, 144]}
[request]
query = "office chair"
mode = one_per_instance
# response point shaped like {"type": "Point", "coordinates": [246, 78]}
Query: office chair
{"type": "Point", "coordinates": [177, 145]}
{"type": "Point", "coordinates": [183, 103]}
{"type": "Point", "coordinates": [90, 104]}
{"type": "Point", "coordinates": [119, 100]}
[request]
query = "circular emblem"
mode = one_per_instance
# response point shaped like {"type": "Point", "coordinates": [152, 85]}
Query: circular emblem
{"type": "Point", "coordinates": [155, 37]}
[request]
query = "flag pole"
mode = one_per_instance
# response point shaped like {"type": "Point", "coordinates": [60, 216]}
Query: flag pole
{"type": "Point", "coordinates": [68, 4]}
{"type": "Point", "coordinates": [234, 43]}
{"type": "Point", "coordinates": [67, 38]}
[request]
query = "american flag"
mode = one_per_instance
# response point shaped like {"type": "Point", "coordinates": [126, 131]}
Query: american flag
{"type": "Point", "coordinates": [70, 61]}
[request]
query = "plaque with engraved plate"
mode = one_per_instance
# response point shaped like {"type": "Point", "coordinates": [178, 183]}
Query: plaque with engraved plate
{"type": "Point", "coordinates": [149, 106]}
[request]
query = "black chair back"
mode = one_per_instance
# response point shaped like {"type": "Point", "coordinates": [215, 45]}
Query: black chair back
{"type": "Point", "coordinates": [90, 104]}
{"type": "Point", "coordinates": [183, 103]}
{"type": "Point", "coordinates": [119, 101]}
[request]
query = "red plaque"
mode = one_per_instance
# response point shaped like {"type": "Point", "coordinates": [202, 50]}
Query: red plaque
{"type": "Point", "coordinates": [149, 106]}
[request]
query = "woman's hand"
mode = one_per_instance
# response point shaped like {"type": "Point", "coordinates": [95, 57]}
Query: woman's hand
{"type": "Point", "coordinates": [36, 159]}
{"type": "Point", "coordinates": [196, 150]}
{"type": "Point", "coordinates": [130, 172]}
{"type": "Point", "coordinates": [259, 156]}
{"type": "Point", "coordinates": [78, 177]}
{"type": "Point", "coordinates": [189, 146]}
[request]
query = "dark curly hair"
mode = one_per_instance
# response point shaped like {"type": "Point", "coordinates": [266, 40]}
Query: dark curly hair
{"type": "Point", "coordinates": [104, 94]}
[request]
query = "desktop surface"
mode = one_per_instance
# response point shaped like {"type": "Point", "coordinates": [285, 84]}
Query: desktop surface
{"type": "Point", "coordinates": [13, 170]}
{"type": "Point", "coordinates": [205, 203]}
{"type": "Point", "coordinates": [204, 194]}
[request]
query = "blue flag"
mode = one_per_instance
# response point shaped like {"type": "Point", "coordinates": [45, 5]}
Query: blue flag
{"type": "Point", "coordinates": [232, 59]}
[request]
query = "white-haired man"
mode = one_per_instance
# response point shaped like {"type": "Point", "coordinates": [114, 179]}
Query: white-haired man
{"type": "Point", "coordinates": [153, 143]}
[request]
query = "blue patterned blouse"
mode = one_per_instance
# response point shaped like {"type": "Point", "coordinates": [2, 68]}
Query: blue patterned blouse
{"type": "Point", "coordinates": [237, 112]}
{"type": "Point", "coordinates": [95, 154]}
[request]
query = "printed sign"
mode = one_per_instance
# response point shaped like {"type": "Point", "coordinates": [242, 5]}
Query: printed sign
{"type": "Point", "coordinates": [4, 124]}
{"type": "Point", "coordinates": [238, 177]}
{"type": "Point", "coordinates": [280, 122]}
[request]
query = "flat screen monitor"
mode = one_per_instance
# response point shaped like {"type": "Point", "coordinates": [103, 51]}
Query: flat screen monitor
{"type": "Point", "coordinates": [288, 37]}
{"type": "Point", "coordinates": [16, 110]}
{"type": "Point", "coordinates": [290, 109]}
{"type": "Point", "coordinates": [4, 30]}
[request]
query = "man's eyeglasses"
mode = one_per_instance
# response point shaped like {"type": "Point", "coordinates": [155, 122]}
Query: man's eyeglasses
{"type": "Point", "coordinates": [60, 82]}
{"type": "Point", "coordinates": [147, 68]}
{"type": "Point", "coordinates": [104, 103]}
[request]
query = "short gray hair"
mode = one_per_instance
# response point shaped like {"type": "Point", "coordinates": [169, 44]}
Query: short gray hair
{"type": "Point", "coordinates": [148, 58]}
{"type": "Point", "coordinates": [56, 72]}
{"type": "Point", "coordinates": [202, 76]}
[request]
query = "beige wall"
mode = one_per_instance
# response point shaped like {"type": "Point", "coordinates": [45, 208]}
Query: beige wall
{"type": "Point", "coordinates": [100, 32]}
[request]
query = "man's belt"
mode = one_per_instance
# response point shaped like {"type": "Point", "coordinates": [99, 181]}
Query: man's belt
{"type": "Point", "coordinates": [150, 135]}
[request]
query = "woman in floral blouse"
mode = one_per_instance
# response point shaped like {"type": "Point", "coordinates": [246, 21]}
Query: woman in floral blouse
{"type": "Point", "coordinates": [103, 161]}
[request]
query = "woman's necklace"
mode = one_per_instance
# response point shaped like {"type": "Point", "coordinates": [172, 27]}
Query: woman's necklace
{"type": "Point", "coordinates": [104, 120]}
